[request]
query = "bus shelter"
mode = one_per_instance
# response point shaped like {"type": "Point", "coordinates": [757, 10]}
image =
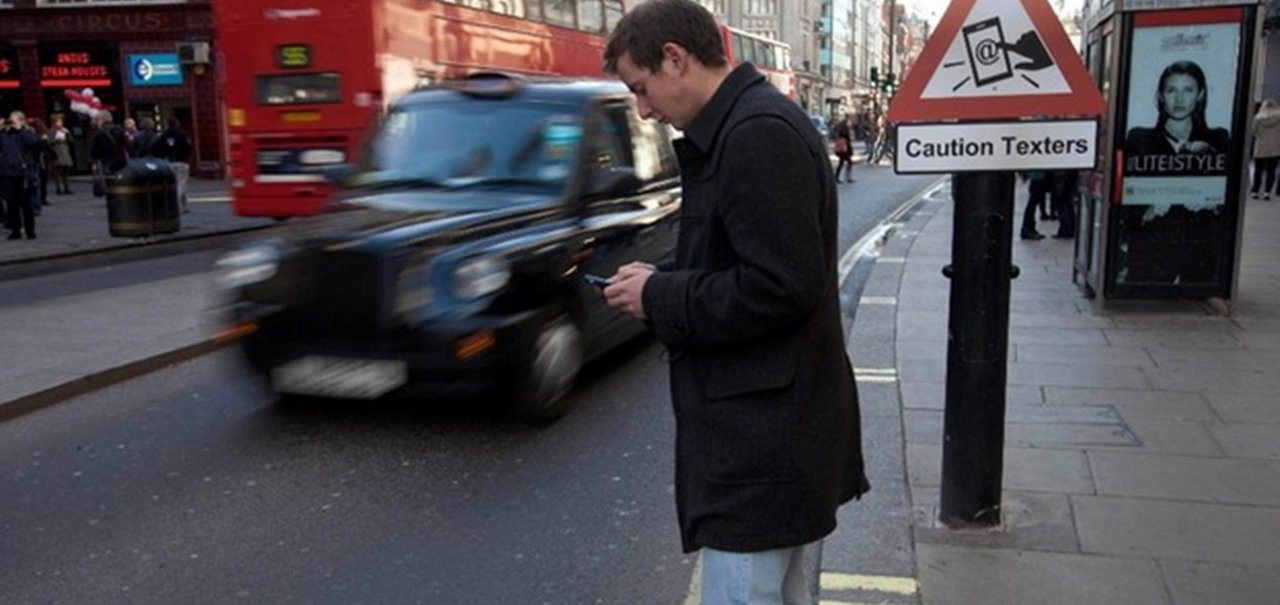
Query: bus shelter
{"type": "Point", "coordinates": [1162, 213]}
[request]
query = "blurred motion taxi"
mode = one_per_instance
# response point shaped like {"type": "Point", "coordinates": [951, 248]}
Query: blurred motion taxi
{"type": "Point", "coordinates": [456, 263]}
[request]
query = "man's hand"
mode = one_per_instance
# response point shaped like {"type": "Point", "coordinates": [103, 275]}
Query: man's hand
{"type": "Point", "coordinates": [626, 291]}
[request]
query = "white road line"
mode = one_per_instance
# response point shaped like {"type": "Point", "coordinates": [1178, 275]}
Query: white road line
{"type": "Point", "coordinates": [208, 199]}
{"type": "Point", "coordinates": [878, 300]}
{"type": "Point", "coordinates": [863, 246]}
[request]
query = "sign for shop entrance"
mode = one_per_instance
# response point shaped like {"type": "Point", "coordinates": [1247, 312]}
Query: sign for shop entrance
{"type": "Point", "coordinates": [157, 69]}
{"type": "Point", "coordinates": [1010, 65]}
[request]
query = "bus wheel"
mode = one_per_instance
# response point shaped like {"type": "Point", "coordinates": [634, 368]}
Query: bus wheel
{"type": "Point", "coordinates": [542, 383]}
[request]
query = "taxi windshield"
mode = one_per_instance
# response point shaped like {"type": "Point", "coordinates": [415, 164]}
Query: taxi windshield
{"type": "Point", "coordinates": [470, 145]}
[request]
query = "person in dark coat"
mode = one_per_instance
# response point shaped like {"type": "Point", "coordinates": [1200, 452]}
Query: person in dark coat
{"type": "Point", "coordinates": [108, 146]}
{"type": "Point", "coordinates": [18, 147]}
{"type": "Point", "coordinates": [173, 145]}
{"type": "Point", "coordinates": [768, 438]}
{"type": "Point", "coordinates": [1062, 194]}
{"type": "Point", "coordinates": [140, 146]}
{"type": "Point", "coordinates": [1038, 188]}
{"type": "Point", "coordinates": [843, 147]}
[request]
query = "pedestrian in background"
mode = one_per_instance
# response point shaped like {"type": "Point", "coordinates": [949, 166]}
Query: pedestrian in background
{"type": "Point", "coordinates": [130, 130]}
{"type": "Point", "coordinates": [140, 147]}
{"type": "Point", "coordinates": [39, 172]}
{"type": "Point", "coordinates": [173, 145]}
{"type": "Point", "coordinates": [768, 441]}
{"type": "Point", "coordinates": [1266, 147]}
{"type": "Point", "coordinates": [107, 150]}
{"type": "Point", "coordinates": [59, 140]}
{"type": "Point", "coordinates": [18, 146]}
{"type": "Point", "coordinates": [1062, 195]}
{"type": "Point", "coordinates": [1037, 192]}
{"type": "Point", "coordinates": [843, 147]}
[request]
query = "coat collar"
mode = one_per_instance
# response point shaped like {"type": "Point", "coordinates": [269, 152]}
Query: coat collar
{"type": "Point", "coordinates": [706, 125]}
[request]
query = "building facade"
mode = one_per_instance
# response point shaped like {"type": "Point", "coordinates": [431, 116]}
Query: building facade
{"type": "Point", "coordinates": [132, 58]}
{"type": "Point", "coordinates": [867, 50]}
{"type": "Point", "coordinates": [838, 54]}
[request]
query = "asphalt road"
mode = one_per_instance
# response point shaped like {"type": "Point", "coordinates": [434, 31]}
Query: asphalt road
{"type": "Point", "coordinates": [193, 485]}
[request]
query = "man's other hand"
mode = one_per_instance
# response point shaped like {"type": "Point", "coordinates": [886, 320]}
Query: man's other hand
{"type": "Point", "coordinates": [626, 292]}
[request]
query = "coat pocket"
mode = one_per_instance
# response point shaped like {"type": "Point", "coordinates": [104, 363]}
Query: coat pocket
{"type": "Point", "coordinates": [748, 411]}
{"type": "Point", "coordinates": [751, 438]}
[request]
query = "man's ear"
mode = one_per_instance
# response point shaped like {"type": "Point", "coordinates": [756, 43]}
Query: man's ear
{"type": "Point", "coordinates": [677, 55]}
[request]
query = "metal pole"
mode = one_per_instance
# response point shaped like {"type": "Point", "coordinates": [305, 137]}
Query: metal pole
{"type": "Point", "coordinates": [977, 348]}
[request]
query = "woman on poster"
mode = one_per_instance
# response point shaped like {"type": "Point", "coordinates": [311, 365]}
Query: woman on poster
{"type": "Point", "coordinates": [1180, 128]}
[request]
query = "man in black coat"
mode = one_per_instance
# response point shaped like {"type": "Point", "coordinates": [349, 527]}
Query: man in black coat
{"type": "Point", "coordinates": [18, 147]}
{"type": "Point", "coordinates": [768, 441]}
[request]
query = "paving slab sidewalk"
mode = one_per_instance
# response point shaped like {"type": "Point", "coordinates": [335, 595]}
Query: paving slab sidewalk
{"type": "Point", "coordinates": [1142, 458]}
{"type": "Point", "coordinates": [60, 347]}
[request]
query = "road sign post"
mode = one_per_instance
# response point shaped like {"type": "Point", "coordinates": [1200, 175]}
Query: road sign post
{"type": "Point", "coordinates": [998, 88]}
{"type": "Point", "coordinates": [977, 349]}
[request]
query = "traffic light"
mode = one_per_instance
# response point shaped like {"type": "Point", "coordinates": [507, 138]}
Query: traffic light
{"type": "Point", "coordinates": [875, 77]}
{"type": "Point", "coordinates": [889, 84]}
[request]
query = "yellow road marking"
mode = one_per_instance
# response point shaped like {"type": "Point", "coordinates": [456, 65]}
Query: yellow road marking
{"type": "Point", "coordinates": [830, 580]}
{"type": "Point", "coordinates": [695, 584]}
{"type": "Point", "coordinates": [827, 602]}
{"type": "Point", "coordinates": [843, 581]}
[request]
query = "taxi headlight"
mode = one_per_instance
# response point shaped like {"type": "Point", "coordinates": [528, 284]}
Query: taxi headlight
{"type": "Point", "coordinates": [249, 265]}
{"type": "Point", "coordinates": [481, 276]}
{"type": "Point", "coordinates": [413, 289]}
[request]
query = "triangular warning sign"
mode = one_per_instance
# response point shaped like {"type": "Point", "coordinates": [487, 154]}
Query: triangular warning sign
{"type": "Point", "coordinates": [993, 59]}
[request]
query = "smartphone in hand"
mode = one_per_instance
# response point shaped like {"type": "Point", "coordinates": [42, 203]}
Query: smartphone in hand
{"type": "Point", "coordinates": [596, 280]}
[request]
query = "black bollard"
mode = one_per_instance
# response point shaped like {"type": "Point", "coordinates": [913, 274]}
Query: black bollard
{"type": "Point", "coordinates": [977, 348]}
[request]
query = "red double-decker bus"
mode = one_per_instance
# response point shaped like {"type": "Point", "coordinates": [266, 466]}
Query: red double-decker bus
{"type": "Point", "coordinates": [771, 57]}
{"type": "Point", "coordinates": [302, 79]}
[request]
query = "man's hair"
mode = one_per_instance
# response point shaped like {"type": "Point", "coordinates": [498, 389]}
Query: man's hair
{"type": "Point", "coordinates": [642, 32]}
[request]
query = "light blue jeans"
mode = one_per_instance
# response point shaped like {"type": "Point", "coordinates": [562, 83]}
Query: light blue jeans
{"type": "Point", "coordinates": [786, 576]}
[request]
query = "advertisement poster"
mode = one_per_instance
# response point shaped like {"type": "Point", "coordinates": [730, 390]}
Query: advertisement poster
{"type": "Point", "coordinates": [1178, 139]}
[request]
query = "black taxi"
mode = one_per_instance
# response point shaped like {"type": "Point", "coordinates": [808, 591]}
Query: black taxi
{"type": "Point", "coordinates": [457, 260]}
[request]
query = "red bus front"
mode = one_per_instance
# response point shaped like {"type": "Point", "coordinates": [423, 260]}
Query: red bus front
{"type": "Point", "coordinates": [304, 79]}
{"type": "Point", "coordinates": [299, 85]}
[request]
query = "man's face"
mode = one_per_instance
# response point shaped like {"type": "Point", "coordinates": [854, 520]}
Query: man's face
{"type": "Point", "coordinates": [658, 93]}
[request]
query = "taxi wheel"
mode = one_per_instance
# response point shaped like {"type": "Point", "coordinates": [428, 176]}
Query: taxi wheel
{"type": "Point", "coordinates": [548, 375]}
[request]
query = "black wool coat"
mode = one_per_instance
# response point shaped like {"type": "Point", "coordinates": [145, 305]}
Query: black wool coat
{"type": "Point", "coordinates": [768, 441]}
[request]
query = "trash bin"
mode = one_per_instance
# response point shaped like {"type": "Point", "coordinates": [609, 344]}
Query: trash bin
{"type": "Point", "coordinates": [142, 199]}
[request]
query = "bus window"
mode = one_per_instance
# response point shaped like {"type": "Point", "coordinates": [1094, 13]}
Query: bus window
{"type": "Point", "coordinates": [558, 12]}
{"type": "Point", "coordinates": [508, 7]}
{"type": "Point", "coordinates": [739, 51]}
{"type": "Point", "coordinates": [299, 89]}
{"type": "Point", "coordinates": [590, 16]}
{"type": "Point", "coordinates": [612, 13]}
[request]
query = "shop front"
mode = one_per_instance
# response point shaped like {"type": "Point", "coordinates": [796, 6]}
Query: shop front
{"type": "Point", "coordinates": [131, 59]}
